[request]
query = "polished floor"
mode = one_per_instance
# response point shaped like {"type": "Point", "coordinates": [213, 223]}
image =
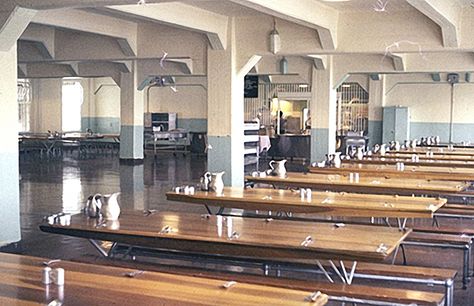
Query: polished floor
{"type": "Point", "coordinates": [63, 184]}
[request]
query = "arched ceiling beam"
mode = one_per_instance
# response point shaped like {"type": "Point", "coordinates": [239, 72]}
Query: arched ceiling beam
{"type": "Point", "coordinates": [209, 23]}
{"type": "Point", "coordinates": [307, 13]}
{"type": "Point", "coordinates": [444, 13]}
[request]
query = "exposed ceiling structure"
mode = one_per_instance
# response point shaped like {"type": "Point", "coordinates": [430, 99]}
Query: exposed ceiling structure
{"type": "Point", "coordinates": [363, 36]}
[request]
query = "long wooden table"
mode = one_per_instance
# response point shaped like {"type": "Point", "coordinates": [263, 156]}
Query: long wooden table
{"type": "Point", "coordinates": [366, 184]}
{"type": "Point", "coordinates": [239, 237]}
{"type": "Point", "coordinates": [90, 284]}
{"type": "Point", "coordinates": [408, 162]}
{"type": "Point", "coordinates": [410, 172]}
{"type": "Point", "coordinates": [434, 150]}
{"type": "Point", "coordinates": [322, 203]}
{"type": "Point", "coordinates": [423, 156]}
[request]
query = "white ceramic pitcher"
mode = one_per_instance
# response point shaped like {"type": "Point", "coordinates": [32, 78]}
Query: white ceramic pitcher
{"type": "Point", "coordinates": [279, 168]}
{"type": "Point", "coordinates": [217, 183]}
{"type": "Point", "coordinates": [110, 207]}
{"type": "Point", "coordinates": [93, 206]}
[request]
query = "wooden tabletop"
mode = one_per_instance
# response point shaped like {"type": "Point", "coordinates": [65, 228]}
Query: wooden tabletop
{"type": "Point", "coordinates": [410, 172]}
{"type": "Point", "coordinates": [366, 184]}
{"type": "Point", "coordinates": [90, 284]}
{"type": "Point", "coordinates": [239, 237]}
{"type": "Point", "coordinates": [423, 156]}
{"type": "Point", "coordinates": [325, 203]}
{"type": "Point", "coordinates": [409, 162]}
{"type": "Point", "coordinates": [434, 150]}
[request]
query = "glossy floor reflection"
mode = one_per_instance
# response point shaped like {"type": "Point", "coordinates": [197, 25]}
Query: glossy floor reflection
{"type": "Point", "coordinates": [51, 186]}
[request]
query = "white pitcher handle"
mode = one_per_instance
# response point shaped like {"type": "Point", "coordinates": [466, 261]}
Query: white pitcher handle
{"type": "Point", "coordinates": [271, 164]}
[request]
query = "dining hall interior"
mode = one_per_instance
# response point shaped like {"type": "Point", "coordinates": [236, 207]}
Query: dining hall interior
{"type": "Point", "coordinates": [237, 152]}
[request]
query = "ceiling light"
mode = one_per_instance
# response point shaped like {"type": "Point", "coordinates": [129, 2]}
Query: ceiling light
{"type": "Point", "coordinates": [303, 86]}
{"type": "Point", "coordinates": [284, 66]}
{"type": "Point", "coordinates": [275, 42]}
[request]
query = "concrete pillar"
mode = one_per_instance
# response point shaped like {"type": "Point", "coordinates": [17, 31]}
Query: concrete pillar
{"type": "Point", "coordinates": [9, 174]}
{"type": "Point", "coordinates": [132, 187]}
{"type": "Point", "coordinates": [376, 103]}
{"type": "Point", "coordinates": [323, 112]}
{"type": "Point", "coordinates": [131, 114]}
{"type": "Point", "coordinates": [226, 110]}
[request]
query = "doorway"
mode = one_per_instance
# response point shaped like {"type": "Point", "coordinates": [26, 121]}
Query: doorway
{"type": "Point", "coordinates": [72, 98]}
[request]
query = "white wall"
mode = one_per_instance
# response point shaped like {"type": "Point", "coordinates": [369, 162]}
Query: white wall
{"type": "Point", "coordinates": [430, 105]}
{"type": "Point", "coordinates": [46, 105]}
{"type": "Point", "coordinates": [430, 101]}
{"type": "Point", "coordinates": [187, 102]}
{"type": "Point", "coordinates": [106, 98]}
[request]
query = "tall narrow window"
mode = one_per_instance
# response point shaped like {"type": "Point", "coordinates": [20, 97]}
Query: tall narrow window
{"type": "Point", "coordinates": [24, 104]}
{"type": "Point", "coordinates": [72, 98]}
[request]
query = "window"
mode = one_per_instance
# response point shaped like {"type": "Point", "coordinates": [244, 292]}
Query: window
{"type": "Point", "coordinates": [72, 98]}
{"type": "Point", "coordinates": [24, 104]}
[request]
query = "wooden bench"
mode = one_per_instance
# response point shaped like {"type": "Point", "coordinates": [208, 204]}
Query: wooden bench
{"type": "Point", "coordinates": [368, 271]}
{"type": "Point", "coordinates": [443, 241]}
{"type": "Point", "coordinates": [336, 291]}
{"type": "Point", "coordinates": [407, 274]}
{"type": "Point", "coordinates": [459, 211]}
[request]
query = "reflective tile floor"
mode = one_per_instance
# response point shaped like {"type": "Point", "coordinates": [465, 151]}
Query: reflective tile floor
{"type": "Point", "coordinates": [51, 186]}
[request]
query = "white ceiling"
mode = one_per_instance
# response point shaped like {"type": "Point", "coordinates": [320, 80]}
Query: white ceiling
{"type": "Point", "coordinates": [223, 7]}
{"type": "Point", "coordinates": [368, 5]}
{"type": "Point", "coordinates": [378, 5]}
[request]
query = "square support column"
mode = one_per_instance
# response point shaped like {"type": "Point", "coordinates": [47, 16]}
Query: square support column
{"type": "Point", "coordinates": [131, 113]}
{"type": "Point", "coordinates": [132, 187]}
{"type": "Point", "coordinates": [9, 173]}
{"type": "Point", "coordinates": [323, 112]}
{"type": "Point", "coordinates": [376, 104]}
{"type": "Point", "coordinates": [226, 113]}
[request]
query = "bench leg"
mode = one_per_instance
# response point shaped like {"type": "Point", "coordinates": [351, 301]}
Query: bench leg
{"type": "Point", "coordinates": [465, 268]}
{"type": "Point", "coordinates": [320, 266]}
{"type": "Point", "coordinates": [449, 293]}
{"type": "Point", "coordinates": [403, 254]}
{"type": "Point", "coordinates": [395, 255]}
{"type": "Point", "coordinates": [98, 248]}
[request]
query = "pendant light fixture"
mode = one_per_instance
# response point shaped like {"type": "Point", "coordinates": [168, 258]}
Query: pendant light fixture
{"type": "Point", "coordinates": [275, 42]}
{"type": "Point", "coordinates": [284, 66]}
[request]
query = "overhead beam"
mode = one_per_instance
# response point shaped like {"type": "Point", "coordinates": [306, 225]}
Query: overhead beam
{"type": "Point", "coordinates": [203, 21]}
{"type": "Point", "coordinates": [13, 21]}
{"type": "Point", "coordinates": [378, 64]}
{"type": "Point", "coordinates": [55, 4]}
{"type": "Point", "coordinates": [124, 31]}
{"type": "Point", "coordinates": [307, 13]}
{"type": "Point", "coordinates": [22, 71]}
{"type": "Point", "coordinates": [44, 37]}
{"type": "Point", "coordinates": [399, 61]}
{"type": "Point", "coordinates": [186, 64]}
{"type": "Point", "coordinates": [444, 13]}
{"type": "Point", "coordinates": [44, 70]}
{"type": "Point", "coordinates": [319, 61]}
